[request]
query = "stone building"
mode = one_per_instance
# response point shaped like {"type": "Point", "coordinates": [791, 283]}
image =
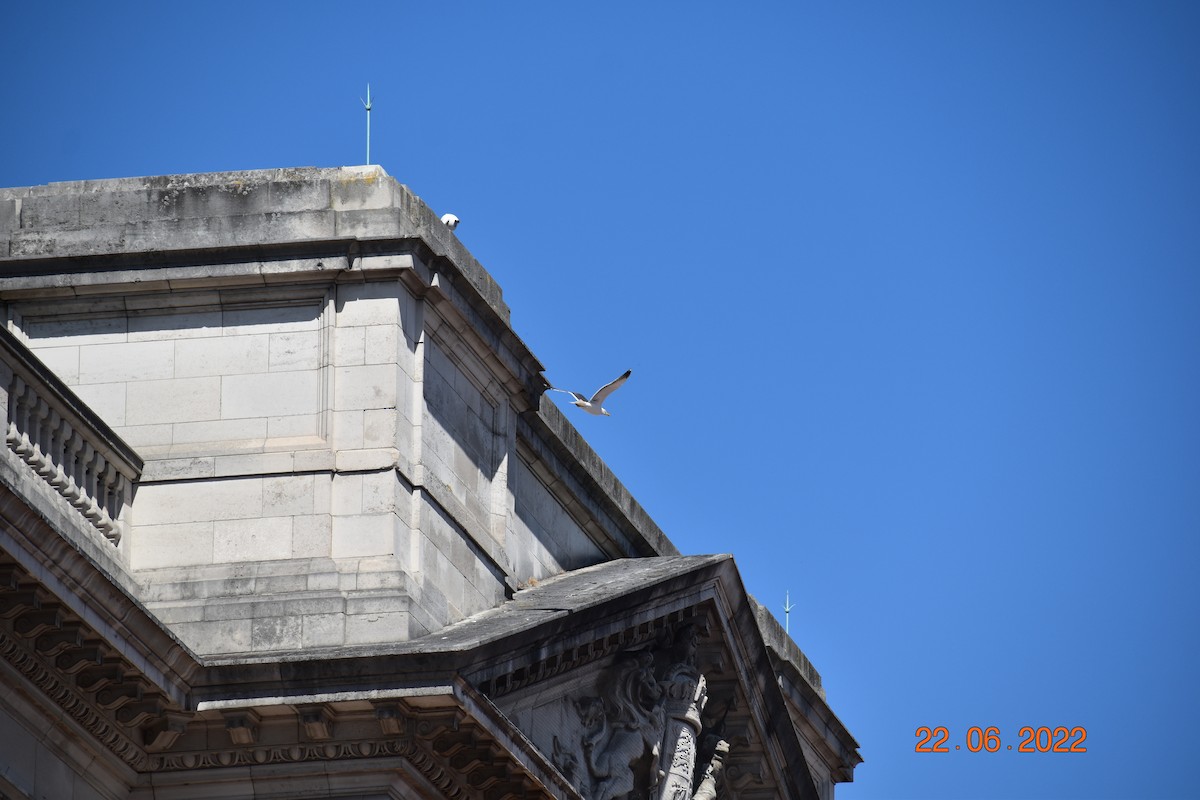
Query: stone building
{"type": "Point", "coordinates": [284, 513]}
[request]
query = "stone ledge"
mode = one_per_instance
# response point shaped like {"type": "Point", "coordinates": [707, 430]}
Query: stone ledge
{"type": "Point", "coordinates": [226, 209]}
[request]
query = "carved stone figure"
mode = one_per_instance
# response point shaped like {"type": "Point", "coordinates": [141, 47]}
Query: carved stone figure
{"type": "Point", "coordinates": [711, 782]}
{"type": "Point", "coordinates": [629, 727]}
{"type": "Point", "coordinates": [640, 737]}
{"type": "Point", "coordinates": [565, 762]}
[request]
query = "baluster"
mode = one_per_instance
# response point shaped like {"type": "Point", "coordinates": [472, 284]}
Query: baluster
{"type": "Point", "coordinates": [15, 394]}
{"type": "Point", "coordinates": [63, 437]}
{"type": "Point", "coordinates": [83, 476]}
{"type": "Point", "coordinates": [94, 486]}
{"type": "Point", "coordinates": [37, 433]}
{"type": "Point", "coordinates": [70, 489]}
{"type": "Point", "coordinates": [24, 413]}
{"type": "Point", "coordinates": [104, 500]}
{"type": "Point", "coordinates": [49, 438]}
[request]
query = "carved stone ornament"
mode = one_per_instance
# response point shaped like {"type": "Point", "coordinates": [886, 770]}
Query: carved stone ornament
{"type": "Point", "coordinates": [640, 736]}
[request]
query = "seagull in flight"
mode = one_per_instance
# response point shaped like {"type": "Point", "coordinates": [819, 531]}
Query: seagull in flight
{"type": "Point", "coordinates": [594, 405]}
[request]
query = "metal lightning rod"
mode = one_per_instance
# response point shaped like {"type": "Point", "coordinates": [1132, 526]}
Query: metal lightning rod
{"type": "Point", "coordinates": [367, 105]}
{"type": "Point", "coordinates": [788, 605]}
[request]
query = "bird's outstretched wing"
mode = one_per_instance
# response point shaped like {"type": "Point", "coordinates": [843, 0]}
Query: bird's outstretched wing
{"type": "Point", "coordinates": [608, 388]}
{"type": "Point", "coordinates": [576, 395]}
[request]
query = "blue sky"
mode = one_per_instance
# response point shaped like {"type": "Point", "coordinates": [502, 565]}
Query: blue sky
{"type": "Point", "coordinates": [910, 291]}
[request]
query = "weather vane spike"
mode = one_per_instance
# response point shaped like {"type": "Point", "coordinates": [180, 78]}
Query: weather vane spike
{"type": "Point", "coordinates": [367, 105]}
{"type": "Point", "coordinates": [788, 605]}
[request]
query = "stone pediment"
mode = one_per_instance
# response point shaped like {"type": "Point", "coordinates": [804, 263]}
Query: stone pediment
{"type": "Point", "coordinates": [646, 677]}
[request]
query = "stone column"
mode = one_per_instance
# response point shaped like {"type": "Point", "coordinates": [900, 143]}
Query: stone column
{"type": "Point", "coordinates": [685, 694]}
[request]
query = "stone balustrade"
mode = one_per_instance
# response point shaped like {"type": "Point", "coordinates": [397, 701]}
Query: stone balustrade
{"type": "Point", "coordinates": [64, 441]}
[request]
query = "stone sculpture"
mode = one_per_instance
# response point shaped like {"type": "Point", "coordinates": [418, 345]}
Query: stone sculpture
{"type": "Point", "coordinates": [639, 737]}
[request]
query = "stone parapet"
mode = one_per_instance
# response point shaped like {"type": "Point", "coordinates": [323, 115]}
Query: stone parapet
{"type": "Point", "coordinates": [65, 442]}
{"type": "Point", "coordinates": [125, 218]}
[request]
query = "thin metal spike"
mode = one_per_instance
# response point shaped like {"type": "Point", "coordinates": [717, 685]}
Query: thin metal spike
{"type": "Point", "coordinates": [367, 105]}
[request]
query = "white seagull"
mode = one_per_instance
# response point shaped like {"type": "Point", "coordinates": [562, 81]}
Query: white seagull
{"type": "Point", "coordinates": [450, 221]}
{"type": "Point", "coordinates": [594, 405]}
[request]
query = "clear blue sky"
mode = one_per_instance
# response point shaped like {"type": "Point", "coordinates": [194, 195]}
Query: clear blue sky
{"type": "Point", "coordinates": [910, 291]}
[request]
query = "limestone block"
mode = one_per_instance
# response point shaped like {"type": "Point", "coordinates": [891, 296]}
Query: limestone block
{"type": "Point", "coordinates": [288, 495]}
{"type": "Point", "coordinates": [379, 492]}
{"type": "Point", "coordinates": [462, 558]}
{"type": "Point", "coordinates": [276, 633]}
{"type": "Point", "coordinates": [221, 355]}
{"type": "Point", "coordinates": [362, 460]}
{"type": "Point", "coordinates": [380, 574]}
{"type": "Point", "coordinates": [175, 400]}
{"type": "Point", "coordinates": [312, 537]}
{"type": "Point", "coordinates": [382, 344]}
{"type": "Point", "coordinates": [228, 607]}
{"type": "Point", "coordinates": [50, 332]}
{"type": "Point", "coordinates": [176, 545]}
{"type": "Point", "coordinates": [323, 581]}
{"type": "Point", "coordinates": [114, 207]}
{"type": "Point", "coordinates": [377, 628]}
{"type": "Point", "coordinates": [370, 223]}
{"type": "Point", "coordinates": [376, 603]}
{"type": "Point", "coordinates": [440, 572]}
{"type": "Point", "coordinates": [266, 319]}
{"type": "Point", "coordinates": [226, 431]}
{"type": "Point", "coordinates": [269, 394]}
{"type": "Point", "coordinates": [144, 436]}
{"type": "Point", "coordinates": [365, 304]}
{"type": "Point", "coordinates": [161, 504]}
{"type": "Point", "coordinates": [363, 535]}
{"type": "Point", "coordinates": [10, 215]}
{"type": "Point", "coordinates": [298, 426]}
{"type": "Point", "coordinates": [347, 495]}
{"type": "Point", "coordinates": [348, 430]}
{"type": "Point", "coordinates": [298, 195]}
{"type": "Point", "coordinates": [379, 427]}
{"type": "Point", "coordinates": [64, 361]}
{"type": "Point", "coordinates": [323, 492]}
{"type": "Point", "coordinates": [297, 350]}
{"type": "Point", "coordinates": [106, 399]}
{"type": "Point", "coordinates": [48, 211]}
{"type": "Point", "coordinates": [253, 464]}
{"type": "Point", "coordinates": [176, 468]}
{"type": "Point", "coordinates": [365, 387]}
{"type": "Point", "coordinates": [126, 361]}
{"type": "Point", "coordinates": [316, 460]}
{"type": "Point", "coordinates": [360, 192]}
{"type": "Point", "coordinates": [180, 612]}
{"type": "Point", "coordinates": [216, 636]}
{"type": "Point", "coordinates": [176, 325]}
{"type": "Point", "coordinates": [323, 630]}
{"type": "Point", "coordinates": [291, 583]}
{"type": "Point", "coordinates": [349, 346]}
{"type": "Point", "coordinates": [260, 539]}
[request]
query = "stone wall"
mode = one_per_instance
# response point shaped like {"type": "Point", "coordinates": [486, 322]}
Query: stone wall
{"type": "Point", "coordinates": [344, 441]}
